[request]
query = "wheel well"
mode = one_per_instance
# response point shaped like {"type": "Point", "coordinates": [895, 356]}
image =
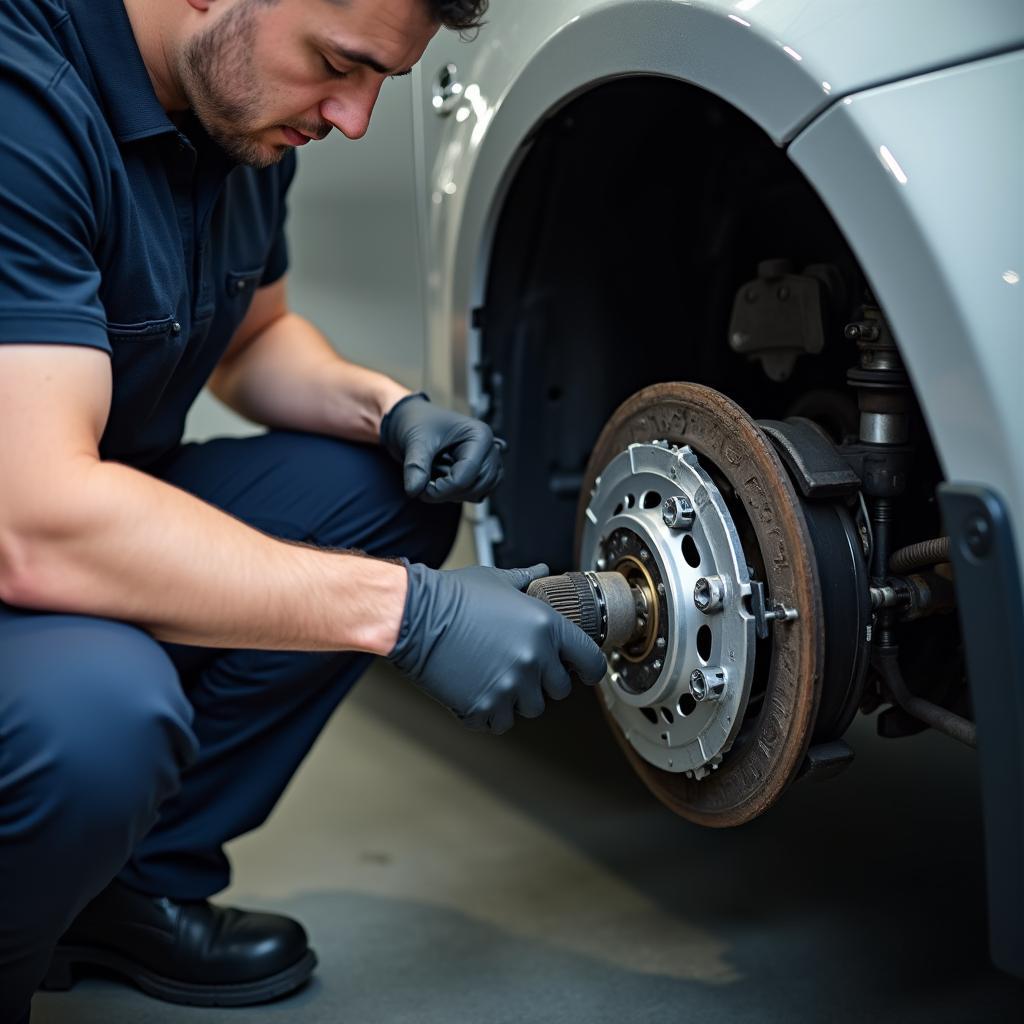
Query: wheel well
{"type": "Point", "coordinates": [641, 208]}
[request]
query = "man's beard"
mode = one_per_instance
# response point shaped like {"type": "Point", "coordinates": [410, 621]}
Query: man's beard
{"type": "Point", "coordinates": [224, 89]}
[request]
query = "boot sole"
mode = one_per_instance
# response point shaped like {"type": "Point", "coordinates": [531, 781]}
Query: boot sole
{"type": "Point", "coordinates": [60, 977]}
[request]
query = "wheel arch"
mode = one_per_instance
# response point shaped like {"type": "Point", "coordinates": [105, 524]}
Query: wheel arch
{"type": "Point", "coordinates": [572, 49]}
{"type": "Point", "coordinates": [787, 64]}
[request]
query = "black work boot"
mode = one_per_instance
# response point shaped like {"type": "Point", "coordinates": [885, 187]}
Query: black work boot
{"type": "Point", "coordinates": [184, 952]}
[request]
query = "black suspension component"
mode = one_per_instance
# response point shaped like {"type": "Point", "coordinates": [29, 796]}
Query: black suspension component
{"type": "Point", "coordinates": [881, 455]}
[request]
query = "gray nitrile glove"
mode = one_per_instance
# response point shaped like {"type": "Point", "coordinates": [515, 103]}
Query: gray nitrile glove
{"type": "Point", "coordinates": [447, 456]}
{"type": "Point", "coordinates": [484, 650]}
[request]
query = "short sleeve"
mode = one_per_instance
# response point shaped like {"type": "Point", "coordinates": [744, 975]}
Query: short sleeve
{"type": "Point", "coordinates": [51, 191]}
{"type": "Point", "coordinates": [277, 260]}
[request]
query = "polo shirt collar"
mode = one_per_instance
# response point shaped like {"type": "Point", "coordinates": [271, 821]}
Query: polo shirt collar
{"type": "Point", "coordinates": [122, 81]}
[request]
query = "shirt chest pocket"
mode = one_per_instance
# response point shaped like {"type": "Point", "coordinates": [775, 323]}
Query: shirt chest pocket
{"type": "Point", "coordinates": [241, 285]}
{"type": "Point", "coordinates": [239, 288]}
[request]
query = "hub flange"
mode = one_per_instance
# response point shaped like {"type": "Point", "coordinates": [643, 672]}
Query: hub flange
{"type": "Point", "coordinates": [632, 525]}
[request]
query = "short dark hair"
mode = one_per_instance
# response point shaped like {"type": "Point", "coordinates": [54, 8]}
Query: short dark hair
{"type": "Point", "coordinates": [461, 15]}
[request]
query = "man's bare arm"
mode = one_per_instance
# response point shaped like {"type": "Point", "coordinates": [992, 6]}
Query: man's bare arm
{"type": "Point", "coordinates": [86, 536]}
{"type": "Point", "coordinates": [279, 370]}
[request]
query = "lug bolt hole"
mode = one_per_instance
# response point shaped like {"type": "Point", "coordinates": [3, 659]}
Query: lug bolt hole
{"type": "Point", "coordinates": [687, 705]}
{"type": "Point", "coordinates": [704, 639]}
{"type": "Point", "coordinates": [667, 715]}
{"type": "Point", "coordinates": [690, 552]}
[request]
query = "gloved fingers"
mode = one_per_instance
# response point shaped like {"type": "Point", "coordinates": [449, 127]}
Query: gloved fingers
{"type": "Point", "coordinates": [492, 708]}
{"type": "Point", "coordinates": [470, 450]}
{"type": "Point", "coordinates": [522, 578]}
{"type": "Point", "coordinates": [556, 682]}
{"type": "Point", "coordinates": [501, 718]}
{"type": "Point", "coordinates": [476, 719]}
{"type": "Point", "coordinates": [580, 653]}
{"type": "Point", "coordinates": [419, 455]}
{"type": "Point", "coordinates": [491, 472]}
{"type": "Point", "coordinates": [530, 701]}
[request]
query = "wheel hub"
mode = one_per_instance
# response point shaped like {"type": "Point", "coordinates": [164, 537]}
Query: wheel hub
{"type": "Point", "coordinates": [678, 691]}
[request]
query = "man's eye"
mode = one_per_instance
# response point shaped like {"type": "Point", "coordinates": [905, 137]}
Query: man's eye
{"type": "Point", "coordinates": [332, 70]}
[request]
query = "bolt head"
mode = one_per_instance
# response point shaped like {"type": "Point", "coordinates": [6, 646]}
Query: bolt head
{"type": "Point", "coordinates": [708, 594]}
{"type": "Point", "coordinates": [698, 685]}
{"type": "Point", "coordinates": [677, 513]}
{"type": "Point", "coordinates": [709, 685]}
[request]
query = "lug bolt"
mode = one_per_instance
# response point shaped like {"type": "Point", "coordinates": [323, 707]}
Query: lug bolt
{"type": "Point", "coordinates": [707, 685]}
{"type": "Point", "coordinates": [708, 594]}
{"type": "Point", "coordinates": [677, 512]}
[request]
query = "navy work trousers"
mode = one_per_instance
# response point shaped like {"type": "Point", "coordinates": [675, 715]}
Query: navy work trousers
{"type": "Point", "coordinates": [120, 755]}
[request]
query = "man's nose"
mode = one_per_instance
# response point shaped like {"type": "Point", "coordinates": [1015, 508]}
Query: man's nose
{"type": "Point", "coordinates": [349, 109]}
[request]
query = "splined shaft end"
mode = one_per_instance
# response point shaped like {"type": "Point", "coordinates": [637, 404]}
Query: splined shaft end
{"type": "Point", "coordinates": [602, 604]}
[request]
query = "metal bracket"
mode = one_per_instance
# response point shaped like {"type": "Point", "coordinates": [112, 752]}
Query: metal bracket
{"type": "Point", "coordinates": [991, 608]}
{"type": "Point", "coordinates": [763, 614]}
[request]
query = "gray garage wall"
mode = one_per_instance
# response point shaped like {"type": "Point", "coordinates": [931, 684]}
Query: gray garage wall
{"type": "Point", "coordinates": [354, 266]}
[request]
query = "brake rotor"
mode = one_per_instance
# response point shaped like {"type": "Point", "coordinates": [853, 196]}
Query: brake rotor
{"type": "Point", "coordinates": [715, 722]}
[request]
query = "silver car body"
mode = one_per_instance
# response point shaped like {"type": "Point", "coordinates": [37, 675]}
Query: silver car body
{"type": "Point", "coordinates": [905, 116]}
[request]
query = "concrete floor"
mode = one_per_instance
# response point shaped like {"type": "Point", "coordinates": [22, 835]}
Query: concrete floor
{"type": "Point", "coordinates": [451, 878]}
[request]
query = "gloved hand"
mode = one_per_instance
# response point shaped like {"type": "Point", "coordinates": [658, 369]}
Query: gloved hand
{"type": "Point", "coordinates": [484, 650]}
{"type": "Point", "coordinates": [447, 456]}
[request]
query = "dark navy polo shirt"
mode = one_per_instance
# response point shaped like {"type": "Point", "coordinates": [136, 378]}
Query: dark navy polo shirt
{"type": "Point", "coordinates": [119, 230]}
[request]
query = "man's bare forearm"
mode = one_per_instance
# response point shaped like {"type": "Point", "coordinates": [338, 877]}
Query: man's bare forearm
{"type": "Point", "coordinates": [120, 544]}
{"type": "Point", "coordinates": [289, 377]}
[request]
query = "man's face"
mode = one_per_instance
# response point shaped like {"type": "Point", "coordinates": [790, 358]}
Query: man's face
{"type": "Point", "coordinates": [267, 74]}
